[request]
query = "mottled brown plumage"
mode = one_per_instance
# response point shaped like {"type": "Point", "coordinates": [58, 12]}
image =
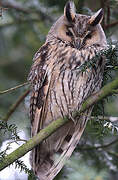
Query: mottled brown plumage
{"type": "Point", "coordinates": [59, 87]}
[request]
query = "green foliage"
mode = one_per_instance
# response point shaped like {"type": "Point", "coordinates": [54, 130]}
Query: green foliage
{"type": "Point", "coordinates": [22, 167]}
{"type": "Point", "coordinates": [4, 153]}
{"type": "Point", "coordinates": [12, 129]}
{"type": "Point", "coordinates": [13, 134]}
{"type": "Point", "coordinates": [111, 56]}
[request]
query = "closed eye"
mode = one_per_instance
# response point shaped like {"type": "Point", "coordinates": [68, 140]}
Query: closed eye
{"type": "Point", "coordinates": [89, 36]}
{"type": "Point", "coordinates": [69, 33]}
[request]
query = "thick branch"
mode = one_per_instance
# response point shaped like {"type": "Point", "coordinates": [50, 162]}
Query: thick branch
{"type": "Point", "coordinates": [44, 133]}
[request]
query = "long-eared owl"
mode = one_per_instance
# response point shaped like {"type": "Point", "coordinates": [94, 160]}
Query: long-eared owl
{"type": "Point", "coordinates": [59, 87]}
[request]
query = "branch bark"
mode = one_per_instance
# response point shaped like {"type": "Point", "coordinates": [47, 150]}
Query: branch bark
{"type": "Point", "coordinates": [52, 127]}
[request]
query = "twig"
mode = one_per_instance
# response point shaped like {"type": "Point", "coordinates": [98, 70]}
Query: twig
{"type": "Point", "coordinates": [111, 25]}
{"type": "Point", "coordinates": [13, 5]}
{"type": "Point", "coordinates": [98, 147]}
{"type": "Point", "coordinates": [13, 88]}
{"type": "Point", "coordinates": [23, 21]}
{"type": "Point", "coordinates": [21, 140]}
{"type": "Point", "coordinates": [52, 127]}
{"type": "Point", "coordinates": [113, 153]}
{"type": "Point", "coordinates": [107, 118]}
{"type": "Point", "coordinates": [15, 105]}
{"type": "Point", "coordinates": [115, 91]}
{"type": "Point", "coordinates": [15, 141]}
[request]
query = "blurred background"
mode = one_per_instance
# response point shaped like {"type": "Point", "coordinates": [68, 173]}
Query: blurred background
{"type": "Point", "coordinates": [23, 29]}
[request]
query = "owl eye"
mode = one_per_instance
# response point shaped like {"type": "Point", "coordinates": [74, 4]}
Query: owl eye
{"type": "Point", "coordinates": [69, 33]}
{"type": "Point", "coordinates": [89, 36]}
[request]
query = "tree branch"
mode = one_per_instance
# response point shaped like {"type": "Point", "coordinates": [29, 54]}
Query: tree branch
{"type": "Point", "coordinates": [98, 147]}
{"type": "Point", "coordinates": [15, 105]}
{"type": "Point", "coordinates": [52, 127]}
{"type": "Point", "coordinates": [13, 5]}
{"type": "Point", "coordinates": [111, 25]}
{"type": "Point", "coordinates": [113, 153]}
{"type": "Point", "coordinates": [106, 118]}
{"type": "Point", "coordinates": [21, 21]}
{"type": "Point", "coordinates": [20, 7]}
{"type": "Point", "coordinates": [13, 88]}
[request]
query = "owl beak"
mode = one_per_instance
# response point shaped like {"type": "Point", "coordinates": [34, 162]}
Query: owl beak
{"type": "Point", "coordinates": [79, 43]}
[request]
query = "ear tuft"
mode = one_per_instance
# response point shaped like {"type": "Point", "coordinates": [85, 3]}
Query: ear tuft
{"type": "Point", "coordinates": [69, 11]}
{"type": "Point", "coordinates": [96, 18]}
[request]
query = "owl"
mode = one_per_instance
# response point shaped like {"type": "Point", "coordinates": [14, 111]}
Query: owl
{"type": "Point", "coordinates": [59, 87]}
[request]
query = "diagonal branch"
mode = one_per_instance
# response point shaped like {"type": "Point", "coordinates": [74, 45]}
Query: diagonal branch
{"type": "Point", "coordinates": [52, 127]}
{"type": "Point", "coordinates": [14, 5]}
{"type": "Point", "coordinates": [15, 105]}
{"type": "Point", "coordinates": [13, 88]}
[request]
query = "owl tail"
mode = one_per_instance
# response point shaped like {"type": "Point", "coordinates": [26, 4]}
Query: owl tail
{"type": "Point", "coordinates": [67, 152]}
{"type": "Point", "coordinates": [49, 168]}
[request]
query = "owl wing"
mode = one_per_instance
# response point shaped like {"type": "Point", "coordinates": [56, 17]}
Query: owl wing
{"type": "Point", "coordinates": [40, 86]}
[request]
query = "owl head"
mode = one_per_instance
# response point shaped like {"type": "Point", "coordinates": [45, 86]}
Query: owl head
{"type": "Point", "coordinates": [78, 30]}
